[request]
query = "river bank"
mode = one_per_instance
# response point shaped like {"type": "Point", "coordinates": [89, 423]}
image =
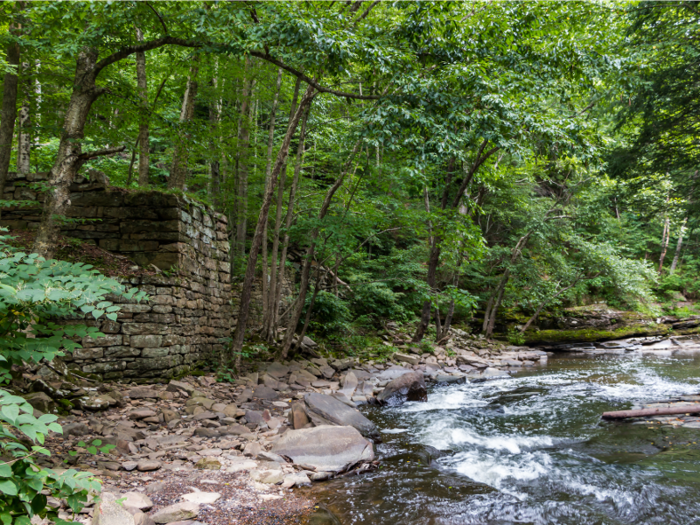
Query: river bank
{"type": "Point", "coordinates": [199, 435]}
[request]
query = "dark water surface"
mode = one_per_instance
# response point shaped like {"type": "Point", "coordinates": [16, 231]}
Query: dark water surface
{"type": "Point", "coordinates": [532, 449]}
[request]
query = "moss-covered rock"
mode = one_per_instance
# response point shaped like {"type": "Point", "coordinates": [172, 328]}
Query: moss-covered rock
{"type": "Point", "coordinates": [589, 335]}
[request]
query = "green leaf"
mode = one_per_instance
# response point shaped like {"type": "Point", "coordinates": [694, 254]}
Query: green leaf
{"type": "Point", "coordinates": [8, 487]}
{"type": "Point", "coordinates": [5, 470]}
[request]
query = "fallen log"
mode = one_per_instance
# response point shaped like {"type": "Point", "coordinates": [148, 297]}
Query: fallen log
{"type": "Point", "coordinates": [647, 412]}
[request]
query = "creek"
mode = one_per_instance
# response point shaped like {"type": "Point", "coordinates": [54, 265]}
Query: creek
{"type": "Point", "coordinates": [532, 450]}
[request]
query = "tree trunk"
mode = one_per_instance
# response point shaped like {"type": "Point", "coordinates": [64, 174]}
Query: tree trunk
{"type": "Point", "coordinates": [487, 313]}
{"type": "Point", "coordinates": [242, 166]}
{"type": "Point", "coordinates": [497, 303]}
{"type": "Point", "coordinates": [247, 287]}
{"type": "Point", "coordinates": [69, 157]}
{"type": "Point", "coordinates": [8, 116]}
{"type": "Point", "coordinates": [24, 136]}
{"type": "Point", "coordinates": [448, 321]}
{"type": "Point", "coordinates": [498, 295]}
{"type": "Point", "coordinates": [143, 113]}
{"type": "Point", "coordinates": [306, 270]}
{"type": "Point", "coordinates": [178, 172]}
{"type": "Point", "coordinates": [676, 256]}
{"type": "Point", "coordinates": [288, 222]}
{"type": "Point", "coordinates": [268, 169]}
{"type": "Point", "coordinates": [215, 165]}
{"type": "Point", "coordinates": [664, 244]}
{"type": "Point", "coordinates": [270, 315]}
{"type": "Point", "coordinates": [433, 261]}
{"type": "Point", "coordinates": [309, 310]}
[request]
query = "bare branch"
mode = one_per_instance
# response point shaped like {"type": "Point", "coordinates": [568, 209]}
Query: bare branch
{"type": "Point", "coordinates": [100, 153]}
{"type": "Point", "coordinates": [165, 28]}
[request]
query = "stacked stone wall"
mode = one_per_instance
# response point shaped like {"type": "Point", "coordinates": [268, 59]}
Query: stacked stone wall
{"type": "Point", "coordinates": [189, 308]}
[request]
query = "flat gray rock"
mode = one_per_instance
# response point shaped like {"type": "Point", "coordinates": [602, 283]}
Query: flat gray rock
{"type": "Point", "coordinates": [178, 512]}
{"type": "Point", "coordinates": [327, 448]}
{"type": "Point", "coordinates": [393, 372]}
{"type": "Point", "coordinates": [323, 409]}
{"type": "Point", "coordinates": [277, 370]}
{"type": "Point", "coordinates": [264, 392]}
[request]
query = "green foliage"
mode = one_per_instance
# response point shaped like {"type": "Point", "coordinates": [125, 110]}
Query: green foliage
{"type": "Point", "coordinates": [330, 314]}
{"type": "Point", "coordinates": [34, 295]}
{"type": "Point", "coordinates": [515, 337]}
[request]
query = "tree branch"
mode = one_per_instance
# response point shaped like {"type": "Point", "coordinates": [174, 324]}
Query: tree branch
{"type": "Point", "coordinates": [88, 155]}
{"type": "Point", "coordinates": [165, 28]}
{"type": "Point", "coordinates": [145, 46]}
{"type": "Point", "coordinates": [364, 15]}
{"type": "Point", "coordinates": [480, 159]}
{"type": "Point", "coordinates": [310, 81]}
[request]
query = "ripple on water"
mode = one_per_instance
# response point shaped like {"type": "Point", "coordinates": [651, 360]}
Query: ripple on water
{"type": "Point", "coordinates": [534, 450]}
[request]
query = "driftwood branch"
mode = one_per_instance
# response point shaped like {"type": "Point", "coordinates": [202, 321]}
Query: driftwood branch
{"type": "Point", "coordinates": [649, 412]}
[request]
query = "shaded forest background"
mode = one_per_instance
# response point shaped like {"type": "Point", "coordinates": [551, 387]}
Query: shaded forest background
{"type": "Point", "coordinates": [421, 163]}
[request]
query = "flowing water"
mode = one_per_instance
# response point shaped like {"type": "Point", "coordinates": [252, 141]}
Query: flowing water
{"type": "Point", "coordinates": [532, 449]}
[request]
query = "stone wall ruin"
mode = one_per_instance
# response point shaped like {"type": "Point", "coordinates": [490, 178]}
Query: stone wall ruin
{"type": "Point", "coordinates": [189, 311]}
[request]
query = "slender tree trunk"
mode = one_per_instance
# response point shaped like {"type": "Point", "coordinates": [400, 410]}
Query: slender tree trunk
{"type": "Point", "coordinates": [270, 315]}
{"type": "Point", "coordinates": [239, 334]}
{"type": "Point", "coordinates": [8, 115]}
{"type": "Point", "coordinates": [178, 172]}
{"type": "Point", "coordinates": [448, 320]}
{"type": "Point", "coordinates": [487, 313]}
{"type": "Point", "coordinates": [306, 270]}
{"type": "Point", "coordinates": [288, 223]}
{"type": "Point", "coordinates": [679, 246]}
{"type": "Point", "coordinates": [433, 261]}
{"type": "Point", "coordinates": [242, 166]}
{"type": "Point", "coordinates": [268, 170]}
{"type": "Point", "coordinates": [24, 136]}
{"type": "Point", "coordinates": [664, 244]}
{"type": "Point", "coordinates": [215, 165]}
{"type": "Point", "coordinates": [498, 295]}
{"type": "Point", "coordinates": [497, 303]}
{"type": "Point", "coordinates": [69, 158]}
{"type": "Point", "coordinates": [141, 81]}
{"type": "Point", "coordinates": [548, 300]}
{"type": "Point", "coordinates": [309, 310]}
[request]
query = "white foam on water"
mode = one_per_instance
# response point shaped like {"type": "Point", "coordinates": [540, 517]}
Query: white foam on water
{"type": "Point", "coordinates": [513, 443]}
{"type": "Point", "coordinates": [500, 471]}
{"type": "Point", "coordinates": [394, 431]}
{"type": "Point", "coordinates": [447, 400]}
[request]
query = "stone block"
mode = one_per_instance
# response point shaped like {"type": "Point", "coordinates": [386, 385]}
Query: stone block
{"type": "Point", "coordinates": [107, 340]}
{"type": "Point", "coordinates": [146, 341]}
{"type": "Point", "coordinates": [144, 328]}
{"type": "Point", "coordinates": [100, 368]}
{"type": "Point", "coordinates": [88, 353]}
{"type": "Point", "coordinates": [155, 352]}
{"type": "Point", "coordinates": [122, 351]}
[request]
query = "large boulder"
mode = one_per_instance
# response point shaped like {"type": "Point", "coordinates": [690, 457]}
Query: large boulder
{"type": "Point", "coordinates": [109, 512]}
{"type": "Point", "coordinates": [327, 410]}
{"type": "Point", "coordinates": [408, 387]}
{"type": "Point", "coordinates": [326, 448]}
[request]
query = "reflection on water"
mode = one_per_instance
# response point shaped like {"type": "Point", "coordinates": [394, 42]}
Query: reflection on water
{"type": "Point", "coordinates": [532, 449]}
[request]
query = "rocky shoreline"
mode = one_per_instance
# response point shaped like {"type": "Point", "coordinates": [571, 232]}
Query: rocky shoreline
{"type": "Point", "coordinates": [201, 451]}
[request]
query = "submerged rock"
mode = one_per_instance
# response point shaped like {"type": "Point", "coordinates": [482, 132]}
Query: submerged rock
{"type": "Point", "coordinates": [408, 387]}
{"type": "Point", "coordinates": [326, 448]}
